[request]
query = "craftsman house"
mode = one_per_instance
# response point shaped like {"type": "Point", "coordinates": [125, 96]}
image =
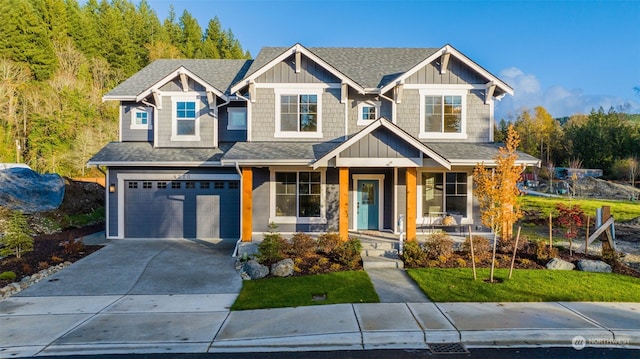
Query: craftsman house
{"type": "Point", "coordinates": [311, 139]}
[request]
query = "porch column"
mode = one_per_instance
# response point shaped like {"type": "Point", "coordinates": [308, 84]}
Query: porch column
{"type": "Point", "coordinates": [343, 211]}
{"type": "Point", "coordinates": [412, 198]}
{"type": "Point", "coordinates": [247, 204]}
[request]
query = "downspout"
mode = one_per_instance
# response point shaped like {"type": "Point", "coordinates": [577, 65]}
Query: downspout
{"type": "Point", "coordinates": [155, 121]}
{"type": "Point", "coordinates": [249, 114]}
{"type": "Point", "coordinates": [235, 250]}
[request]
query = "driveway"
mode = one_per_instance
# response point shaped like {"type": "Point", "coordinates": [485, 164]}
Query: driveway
{"type": "Point", "coordinates": [147, 267]}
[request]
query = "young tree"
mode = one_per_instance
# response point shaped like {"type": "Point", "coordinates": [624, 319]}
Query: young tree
{"type": "Point", "coordinates": [16, 239]}
{"type": "Point", "coordinates": [497, 190]}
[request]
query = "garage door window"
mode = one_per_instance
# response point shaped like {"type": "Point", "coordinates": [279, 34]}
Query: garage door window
{"type": "Point", "coordinates": [176, 185]}
{"type": "Point", "coordinates": [205, 185]}
{"type": "Point", "coordinates": [162, 185]}
{"type": "Point", "coordinates": [133, 184]}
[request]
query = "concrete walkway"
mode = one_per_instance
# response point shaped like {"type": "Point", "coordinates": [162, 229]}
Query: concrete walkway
{"type": "Point", "coordinates": [393, 285]}
{"type": "Point", "coordinates": [173, 296]}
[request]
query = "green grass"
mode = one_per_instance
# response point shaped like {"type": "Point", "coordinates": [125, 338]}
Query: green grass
{"type": "Point", "coordinates": [621, 210]}
{"type": "Point", "coordinates": [84, 219]}
{"type": "Point", "coordinates": [339, 287]}
{"type": "Point", "coordinates": [457, 285]}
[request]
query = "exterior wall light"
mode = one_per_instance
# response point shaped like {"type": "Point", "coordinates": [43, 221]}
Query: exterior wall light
{"type": "Point", "coordinates": [112, 188]}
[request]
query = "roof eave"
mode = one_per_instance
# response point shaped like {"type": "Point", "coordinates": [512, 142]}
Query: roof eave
{"type": "Point", "coordinates": [155, 163]}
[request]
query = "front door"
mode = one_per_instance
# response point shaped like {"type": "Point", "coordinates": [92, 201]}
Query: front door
{"type": "Point", "coordinates": [368, 204]}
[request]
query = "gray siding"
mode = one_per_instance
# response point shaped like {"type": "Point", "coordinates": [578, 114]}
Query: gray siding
{"type": "Point", "coordinates": [355, 99]}
{"type": "Point", "coordinates": [408, 112]}
{"type": "Point", "coordinates": [260, 200]}
{"type": "Point", "coordinates": [388, 193]}
{"type": "Point", "coordinates": [263, 116]}
{"type": "Point", "coordinates": [401, 191]}
{"type": "Point", "coordinates": [381, 144]}
{"type": "Point", "coordinates": [165, 118]}
{"type": "Point", "coordinates": [285, 72]}
{"type": "Point", "coordinates": [457, 73]}
{"type": "Point", "coordinates": [134, 135]}
{"type": "Point", "coordinates": [224, 134]}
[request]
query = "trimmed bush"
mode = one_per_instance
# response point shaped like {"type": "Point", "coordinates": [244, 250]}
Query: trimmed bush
{"type": "Point", "coordinates": [8, 275]}
{"type": "Point", "coordinates": [413, 255]}
{"type": "Point", "coordinates": [481, 248]}
{"type": "Point", "coordinates": [438, 245]}
{"type": "Point", "coordinates": [348, 253]}
{"type": "Point", "coordinates": [302, 245]}
{"type": "Point", "coordinates": [327, 242]}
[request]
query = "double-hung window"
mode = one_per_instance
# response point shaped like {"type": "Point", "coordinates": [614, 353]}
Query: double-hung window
{"type": "Point", "coordinates": [298, 113]}
{"type": "Point", "coordinates": [443, 115]}
{"type": "Point", "coordinates": [186, 119]}
{"type": "Point", "coordinates": [297, 196]}
{"type": "Point", "coordinates": [444, 192]}
{"type": "Point", "coordinates": [141, 118]}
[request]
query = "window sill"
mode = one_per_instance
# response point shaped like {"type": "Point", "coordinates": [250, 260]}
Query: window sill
{"type": "Point", "coordinates": [298, 220]}
{"type": "Point", "coordinates": [140, 127]}
{"type": "Point", "coordinates": [298, 134]}
{"type": "Point", "coordinates": [184, 138]}
{"type": "Point", "coordinates": [364, 122]}
{"type": "Point", "coordinates": [440, 135]}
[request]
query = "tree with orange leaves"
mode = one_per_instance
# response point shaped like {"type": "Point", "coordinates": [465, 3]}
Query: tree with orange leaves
{"type": "Point", "coordinates": [496, 189]}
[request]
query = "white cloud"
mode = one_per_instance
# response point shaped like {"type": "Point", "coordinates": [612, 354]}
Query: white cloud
{"type": "Point", "coordinates": [557, 100]}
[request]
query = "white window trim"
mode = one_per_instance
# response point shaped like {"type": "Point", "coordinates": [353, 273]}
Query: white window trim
{"type": "Point", "coordinates": [290, 219]}
{"type": "Point", "coordinates": [135, 111]}
{"type": "Point", "coordinates": [443, 92]}
{"type": "Point", "coordinates": [197, 98]}
{"type": "Point", "coordinates": [420, 212]}
{"type": "Point", "coordinates": [363, 104]}
{"type": "Point", "coordinates": [230, 110]}
{"type": "Point", "coordinates": [278, 92]}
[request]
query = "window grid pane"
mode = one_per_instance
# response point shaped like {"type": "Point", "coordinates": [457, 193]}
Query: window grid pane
{"type": "Point", "coordinates": [142, 118]}
{"type": "Point", "coordinates": [298, 194]}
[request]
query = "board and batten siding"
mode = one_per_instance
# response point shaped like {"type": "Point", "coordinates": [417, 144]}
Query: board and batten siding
{"type": "Point", "coordinates": [381, 144]}
{"type": "Point", "coordinates": [457, 74]}
{"type": "Point", "coordinates": [134, 135]}
{"type": "Point", "coordinates": [285, 72]}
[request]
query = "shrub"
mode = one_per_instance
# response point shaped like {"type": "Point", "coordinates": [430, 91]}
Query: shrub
{"type": "Point", "coordinates": [271, 249]}
{"type": "Point", "coordinates": [8, 275]}
{"type": "Point", "coordinates": [543, 252]}
{"type": "Point", "coordinates": [506, 245]}
{"type": "Point", "coordinates": [302, 245]}
{"type": "Point", "coordinates": [461, 262]}
{"type": "Point", "coordinates": [481, 248]}
{"type": "Point", "coordinates": [348, 253]}
{"type": "Point", "coordinates": [438, 245]}
{"type": "Point", "coordinates": [327, 242]}
{"type": "Point", "coordinates": [17, 239]}
{"type": "Point", "coordinates": [72, 246]}
{"type": "Point", "coordinates": [413, 254]}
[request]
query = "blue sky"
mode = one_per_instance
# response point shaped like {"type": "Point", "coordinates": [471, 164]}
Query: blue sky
{"type": "Point", "coordinates": [568, 56]}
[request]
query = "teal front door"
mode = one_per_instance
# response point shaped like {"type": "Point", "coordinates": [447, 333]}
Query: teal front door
{"type": "Point", "coordinates": [368, 207]}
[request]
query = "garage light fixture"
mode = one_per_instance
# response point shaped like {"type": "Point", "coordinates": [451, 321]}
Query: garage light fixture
{"type": "Point", "coordinates": [112, 188]}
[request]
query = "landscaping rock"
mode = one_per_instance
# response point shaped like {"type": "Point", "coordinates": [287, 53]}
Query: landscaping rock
{"type": "Point", "coordinates": [559, 264]}
{"type": "Point", "coordinates": [587, 265]}
{"type": "Point", "coordinates": [283, 268]}
{"type": "Point", "coordinates": [255, 270]}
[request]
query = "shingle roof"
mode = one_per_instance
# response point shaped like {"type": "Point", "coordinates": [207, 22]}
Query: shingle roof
{"type": "Point", "coordinates": [220, 74]}
{"type": "Point", "coordinates": [369, 67]}
{"type": "Point", "coordinates": [258, 151]}
{"type": "Point", "coordinates": [473, 153]}
{"type": "Point", "coordinates": [143, 153]}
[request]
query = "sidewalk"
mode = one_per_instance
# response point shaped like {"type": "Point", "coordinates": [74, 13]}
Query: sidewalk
{"type": "Point", "coordinates": [200, 323]}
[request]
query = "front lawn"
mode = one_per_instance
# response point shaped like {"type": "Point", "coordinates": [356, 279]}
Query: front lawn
{"type": "Point", "coordinates": [622, 211]}
{"type": "Point", "coordinates": [457, 285]}
{"type": "Point", "coordinates": [330, 288]}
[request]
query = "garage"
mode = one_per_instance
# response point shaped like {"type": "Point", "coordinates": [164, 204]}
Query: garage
{"type": "Point", "coordinates": [182, 209]}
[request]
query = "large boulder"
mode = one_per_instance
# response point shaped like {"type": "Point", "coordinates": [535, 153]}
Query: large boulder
{"type": "Point", "coordinates": [22, 189]}
{"type": "Point", "coordinates": [255, 270]}
{"type": "Point", "coordinates": [283, 268]}
{"type": "Point", "coordinates": [559, 264]}
{"type": "Point", "coordinates": [588, 265]}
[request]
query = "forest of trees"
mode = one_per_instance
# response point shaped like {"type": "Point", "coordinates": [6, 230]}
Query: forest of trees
{"type": "Point", "coordinates": [607, 140]}
{"type": "Point", "coordinates": [58, 58]}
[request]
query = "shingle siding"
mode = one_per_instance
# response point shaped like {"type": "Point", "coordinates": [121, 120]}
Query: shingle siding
{"type": "Point", "coordinates": [408, 112]}
{"type": "Point", "coordinates": [165, 125]}
{"type": "Point", "coordinates": [133, 135]}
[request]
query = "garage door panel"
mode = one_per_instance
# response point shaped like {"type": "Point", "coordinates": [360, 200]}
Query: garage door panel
{"type": "Point", "coordinates": [182, 209]}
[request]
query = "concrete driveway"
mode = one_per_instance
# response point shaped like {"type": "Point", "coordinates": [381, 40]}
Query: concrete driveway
{"type": "Point", "coordinates": [147, 267]}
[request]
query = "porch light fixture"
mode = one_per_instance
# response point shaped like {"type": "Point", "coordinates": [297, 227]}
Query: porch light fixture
{"type": "Point", "coordinates": [112, 188]}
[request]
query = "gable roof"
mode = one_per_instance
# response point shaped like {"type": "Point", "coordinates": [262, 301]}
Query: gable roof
{"type": "Point", "coordinates": [218, 73]}
{"type": "Point", "coordinates": [394, 129]}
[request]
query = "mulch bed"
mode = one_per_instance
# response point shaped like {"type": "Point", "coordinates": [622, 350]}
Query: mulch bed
{"type": "Point", "coordinates": [50, 250]}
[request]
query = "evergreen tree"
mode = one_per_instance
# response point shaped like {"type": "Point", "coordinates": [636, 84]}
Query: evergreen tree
{"type": "Point", "coordinates": [212, 40]}
{"type": "Point", "coordinates": [16, 239]}
{"type": "Point", "coordinates": [191, 36]}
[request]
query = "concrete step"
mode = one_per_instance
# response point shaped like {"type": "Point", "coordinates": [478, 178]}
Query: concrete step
{"type": "Point", "coordinates": [381, 262]}
{"type": "Point", "coordinates": [378, 245]}
{"type": "Point", "coordinates": [387, 253]}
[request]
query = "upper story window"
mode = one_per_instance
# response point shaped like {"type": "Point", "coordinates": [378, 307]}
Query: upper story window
{"type": "Point", "coordinates": [141, 119]}
{"type": "Point", "coordinates": [443, 114]}
{"type": "Point", "coordinates": [298, 113]}
{"type": "Point", "coordinates": [186, 119]}
{"type": "Point", "coordinates": [368, 111]}
{"type": "Point", "coordinates": [236, 118]}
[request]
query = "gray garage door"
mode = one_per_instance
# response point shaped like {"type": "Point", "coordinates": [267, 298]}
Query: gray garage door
{"type": "Point", "coordinates": [182, 209]}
